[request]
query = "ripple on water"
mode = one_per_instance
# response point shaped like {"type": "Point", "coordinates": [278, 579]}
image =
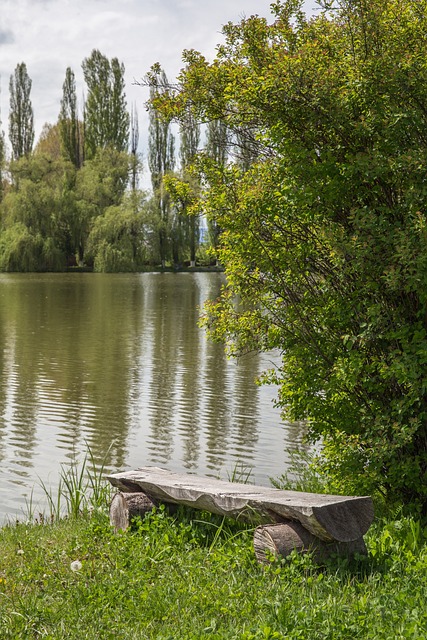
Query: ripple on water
{"type": "Point", "coordinates": [118, 362]}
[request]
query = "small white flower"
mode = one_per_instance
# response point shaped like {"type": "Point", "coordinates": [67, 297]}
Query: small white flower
{"type": "Point", "coordinates": [76, 565]}
{"type": "Point", "coordinates": [20, 552]}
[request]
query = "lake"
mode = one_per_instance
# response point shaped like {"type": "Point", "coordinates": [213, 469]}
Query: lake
{"type": "Point", "coordinates": [118, 363]}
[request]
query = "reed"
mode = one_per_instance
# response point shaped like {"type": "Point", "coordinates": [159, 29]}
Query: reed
{"type": "Point", "coordinates": [80, 489]}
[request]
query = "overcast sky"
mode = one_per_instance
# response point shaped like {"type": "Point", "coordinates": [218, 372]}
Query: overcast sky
{"type": "Point", "coordinates": [51, 35]}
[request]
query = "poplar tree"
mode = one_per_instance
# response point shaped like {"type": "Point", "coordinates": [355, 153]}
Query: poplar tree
{"type": "Point", "coordinates": [21, 116]}
{"type": "Point", "coordinates": [190, 139]}
{"type": "Point", "coordinates": [106, 117]}
{"type": "Point", "coordinates": [217, 151]}
{"type": "Point", "coordinates": [2, 158]}
{"type": "Point", "coordinates": [217, 141]}
{"type": "Point", "coordinates": [134, 141]}
{"type": "Point", "coordinates": [246, 148]}
{"type": "Point", "coordinates": [69, 122]}
{"type": "Point", "coordinates": [161, 161]}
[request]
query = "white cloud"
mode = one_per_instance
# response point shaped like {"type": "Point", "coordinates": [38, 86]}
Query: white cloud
{"type": "Point", "coordinates": [51, 35]}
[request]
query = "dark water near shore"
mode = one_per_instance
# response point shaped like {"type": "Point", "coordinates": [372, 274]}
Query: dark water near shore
{"type": "Point", "coordinates": [117, 362]}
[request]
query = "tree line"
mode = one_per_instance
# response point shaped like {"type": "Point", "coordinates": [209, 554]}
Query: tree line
{"type": "Point", "coordinates": [74, 199]}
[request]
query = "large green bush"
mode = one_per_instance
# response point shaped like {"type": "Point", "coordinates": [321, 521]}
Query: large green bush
{"type": "Point", "coordinates": [325, 236]}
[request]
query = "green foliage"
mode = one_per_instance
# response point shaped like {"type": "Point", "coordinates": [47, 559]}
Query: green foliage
{"type": "Point", "coordinates": [81, 489]}
{"type": "Point", "coordinates": [19, 249]}
{"type": "Point", "coordinates": [405, 538]}
{"type": "Point", "coordinates": [161, 161]}
{"type": "Point", "coordinates": [69, 124]}
{"type": "Point", "coordinates": [302, 474]}
{"type": "Point", "coordinates": [116, 241]}
{"type": "Point", "coordinates": [324, 231]}
{"type": "Point", "coordinates": [106, 116]}
{"type": "Point", "coordinates": [35, 235]}
{"type": "Point", "coordinates": [190, 139]}
{"type": "Point", "coordinates": [188, 576]}
{"type": "Point", "coordinates": [102, 181]}
{"type": "Point", "coordinates": [183, 192]}
{"type": "Point", "coordinates": [100, 184]}
{"type": "Point", "coordinates": [2, 160]}
{"type": "Point", "coordinates": [21, 116]}
{"type": "Point", "coordinates": [50, 200]}
{"type": "Point", "coordinates": [217, 148]}
{"type": "Point", "coordinates": [58, 206]}
{"type": "Point", "coordinates": [136, 158]}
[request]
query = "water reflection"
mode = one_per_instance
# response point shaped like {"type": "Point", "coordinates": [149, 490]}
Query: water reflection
{"type": "Point", "coordinates": [118, 362]}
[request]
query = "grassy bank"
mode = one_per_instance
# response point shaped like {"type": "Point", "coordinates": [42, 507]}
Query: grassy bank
{"type": "Point", "coordinates": [195, 576]}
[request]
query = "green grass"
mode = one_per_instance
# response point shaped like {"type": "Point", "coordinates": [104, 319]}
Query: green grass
{"type": "Point", "coordinates": [194, 575]}
{"type": "Point", "coordinates": [80, 489]}
{"type": "Point", "coordinates": [175, 577]}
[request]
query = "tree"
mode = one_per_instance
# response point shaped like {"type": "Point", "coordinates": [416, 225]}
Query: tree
{"type": "Point", "coordinates": [34, 225]}
{"type": "Point", "coordinates": [190, 139]}
{"type": "Point", "coordinates": [182, 191]}
{"type": "Point", "coordinates": [106, 117]}
{"type": "Point", "coordinates": [70, 126]}
{"type": "Point", "coordinates": [161, 160]}
{"type": "Point", "coordinates": [217, 150]}
{"type": "Point", "coordinates": [325, 233]}
{"type": "Point", "coordinates": [20, 250]}
{"type": "Point", "coordinates": [2, 158]}
{"type": "Point", "coordinates": [21, 116]}
{"type": "Point", "coordinates": [134, 141]}
{"type": "Point", "coordinates": [49, 142]}
{"type": "Point", "coordinates": [217, 141]}
{"type": "Point", "coordinates": [116, 241]}
{"type": "Point", "coordinates": [246, 147]}
{"type": "Point", "coordinates": [100, 184]}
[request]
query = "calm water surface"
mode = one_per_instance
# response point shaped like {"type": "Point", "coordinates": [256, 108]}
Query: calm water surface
{"type": "Point", "coordinates": [117, 362]}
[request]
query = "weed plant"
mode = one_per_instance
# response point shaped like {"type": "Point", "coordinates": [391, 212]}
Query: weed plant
{"type": "Point", "coordinates": [81, 488]}
{"type": "Point", "coordinates": [193, 575]}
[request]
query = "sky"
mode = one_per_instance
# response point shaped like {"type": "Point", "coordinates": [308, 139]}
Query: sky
{"type": "Point", "coordinates": [51, 35]}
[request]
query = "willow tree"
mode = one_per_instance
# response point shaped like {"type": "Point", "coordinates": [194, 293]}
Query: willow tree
{"type": "Point", "coordinates": [21, 116]}
{"type": "Point", "coordinates": [161, 160]}
{"type": "Point", "coordinates": [106, 119]}
{"type": "Point", "coordinates": [34, 215]}
{"type": "Point", "coordinates": [100, 184]}
{"type": "Point", "coordinates": [325, 233]}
